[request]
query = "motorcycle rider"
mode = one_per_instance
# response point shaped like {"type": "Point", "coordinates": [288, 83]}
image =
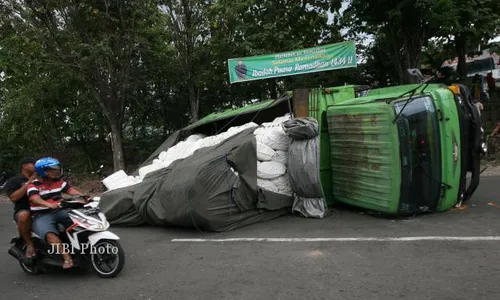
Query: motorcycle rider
{"type": "Point", "coordinates": [44, 196]}
{"type": "Point", "coordinates": [16, 189]}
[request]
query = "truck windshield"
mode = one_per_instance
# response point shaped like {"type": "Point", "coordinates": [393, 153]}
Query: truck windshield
{"type": "Point", "coordinates": [418, 128]}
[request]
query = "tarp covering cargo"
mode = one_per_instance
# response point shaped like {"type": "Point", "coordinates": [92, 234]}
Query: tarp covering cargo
{"type": "Point", "coordinates": [214, 189]}
{"type": "Point", "coordinates": [304, 167]}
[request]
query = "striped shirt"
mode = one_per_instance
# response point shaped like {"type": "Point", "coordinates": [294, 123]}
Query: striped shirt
{"type": "Point", "coordinates": [48, 191]}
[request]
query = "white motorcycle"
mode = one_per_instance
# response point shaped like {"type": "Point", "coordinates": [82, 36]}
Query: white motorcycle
{"type": "Point", "coordinates": [88, 241]}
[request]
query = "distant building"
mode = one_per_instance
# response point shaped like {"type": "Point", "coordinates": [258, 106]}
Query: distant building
{"type": "Point", "coordinates": [481, 64]}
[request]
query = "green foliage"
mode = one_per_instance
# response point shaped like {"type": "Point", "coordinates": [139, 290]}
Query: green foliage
{"type": "Point", "coordinates": [471, 23]}
{"type": "Point", "coordinates": [87, 72]}
{"type": "Point", "coordinates": [79, 76]}
{"type": "Point", "coordinates": [401, 28]}
{"type": "Point", "coordinates": [405, 28]}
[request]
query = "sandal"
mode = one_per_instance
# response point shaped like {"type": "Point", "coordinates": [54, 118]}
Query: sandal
{"type": "Point", "coordinates": [30, 252]}
{"type": "Point", "coordinates": [67, 264]}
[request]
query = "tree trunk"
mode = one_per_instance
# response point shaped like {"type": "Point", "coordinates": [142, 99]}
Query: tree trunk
{"type": "Point", "coordinates": [410, 60]}
{"type": "Point", "coordinates": [461, 48]}
{"type": "Point", "coordinates": [193, 102]}
{"type": "Point", "coordinates": [117, 145]}
{"type": "Point", "coordinates": [407, 42]}
{"type": "Point", "coordinates": [273, 89]}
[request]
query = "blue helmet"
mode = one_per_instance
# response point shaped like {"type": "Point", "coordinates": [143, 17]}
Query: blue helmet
{"type": "Point", "coordinates": [46, 163]}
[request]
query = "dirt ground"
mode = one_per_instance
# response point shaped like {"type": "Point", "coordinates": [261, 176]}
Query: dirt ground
{"type": "Point", "coordinates": [491, 169]}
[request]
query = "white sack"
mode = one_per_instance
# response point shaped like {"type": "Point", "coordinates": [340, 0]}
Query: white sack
{"type": "Point", "coordinates": [121, 183]}
{"type": "Point", "coordinates": [267, 185]}
{"type": "Point", "coordinates": [259, 131]}
{"type": "Point", "coordinates": [119, 180]}
{"type": "Point", "coordinates": [195, 137]}
{"type": "Point", "coordinates": [194, 142]}
{"type": "Point", "coordinates": [117, 176]}
{"type": "Point", "coordinates": [163, 155]}
{"type": "Point", "coordinates": [280, 157]}
{"type": "Point", "coordinates": [264, 153]}
{"type": "Point", "coordinates": [270, 170]}
{"type": "Point", "coordinates": [283, 185]}
{"type": "Point", "coordinates": [280, 120]}
{"type": "Point", "coordinates": [276, 139]}
{"type": "Point", "coordinates": [250, 125]}
{"type": "Point", "coordinates": [148, 169]}
{"type": "Point", "coordinates": [260, 139]}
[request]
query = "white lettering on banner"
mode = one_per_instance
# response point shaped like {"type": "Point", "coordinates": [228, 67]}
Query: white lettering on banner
{"type": "Point", "coordinates": [264, 72]}
{"type": "Point", "coordinates": [342, 61]}
{"type": "Point", "coordinates": [278, 70]}
{"type": "Point", "coordinates": [299, 53]}
{"type": "Point", "coordinates": [67, 249]}
{"type": "Point", "coordinates": [315, 65]}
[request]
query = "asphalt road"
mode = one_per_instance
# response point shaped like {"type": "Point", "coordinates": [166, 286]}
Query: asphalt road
{"type": "Point", "coordinates": [157, 268]}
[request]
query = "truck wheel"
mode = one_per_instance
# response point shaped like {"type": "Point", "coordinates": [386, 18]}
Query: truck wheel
{"type": "Point", "coordinates": [107, 258]}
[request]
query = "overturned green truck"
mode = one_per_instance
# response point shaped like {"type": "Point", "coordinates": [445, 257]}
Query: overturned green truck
{"type": "Point", "coordinates": [397, 150]}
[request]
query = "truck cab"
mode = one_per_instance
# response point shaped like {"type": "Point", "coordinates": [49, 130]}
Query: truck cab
{"type": "Point", "coordinates": [405, 149]}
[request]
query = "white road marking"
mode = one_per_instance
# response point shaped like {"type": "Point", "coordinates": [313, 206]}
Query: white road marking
{"type": "Point", "coordinates": [347, 239]}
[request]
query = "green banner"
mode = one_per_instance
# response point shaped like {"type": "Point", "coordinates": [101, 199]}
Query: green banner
{"type": "Point", "coordinates": [318, 59]}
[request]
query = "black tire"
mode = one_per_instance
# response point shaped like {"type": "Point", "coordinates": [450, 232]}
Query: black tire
{"type": "Point", "coordinates": [97, 259]}
{"type": "Point", "coordinates": [29, 269]}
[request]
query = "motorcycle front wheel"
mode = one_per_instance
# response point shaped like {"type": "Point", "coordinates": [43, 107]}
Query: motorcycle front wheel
{"type": "Point", "coordinates": [107, 258]}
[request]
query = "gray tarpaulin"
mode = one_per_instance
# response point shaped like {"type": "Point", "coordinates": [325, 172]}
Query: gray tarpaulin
{"type": "Point", "coordinates": [200, 191]}
{"type": "Point", "coordinates": [304, 167]}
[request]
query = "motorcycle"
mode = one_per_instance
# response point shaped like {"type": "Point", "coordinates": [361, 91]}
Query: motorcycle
{"type": "Point", "coordinates": [88, 241]}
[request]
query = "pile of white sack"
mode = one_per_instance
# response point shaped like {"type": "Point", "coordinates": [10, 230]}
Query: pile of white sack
{"type": "Point", "coordinates": [181, 150]}
{"type": "Point", "coordinates": [272, 157]}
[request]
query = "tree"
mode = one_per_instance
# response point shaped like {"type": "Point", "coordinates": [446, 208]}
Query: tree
{"type": "Point", "coordinates": [190, 33]}
{"type": "Point", "coordinates": [262, 27]}
{"type": "Point", "coordinates": [470, 22]}
{"type": "Point", "coordinates": [138, 71]}
{"type": "Point", "coordinates": [99, 42]}
{"type": "Point", "coordinates": [405, 25]}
